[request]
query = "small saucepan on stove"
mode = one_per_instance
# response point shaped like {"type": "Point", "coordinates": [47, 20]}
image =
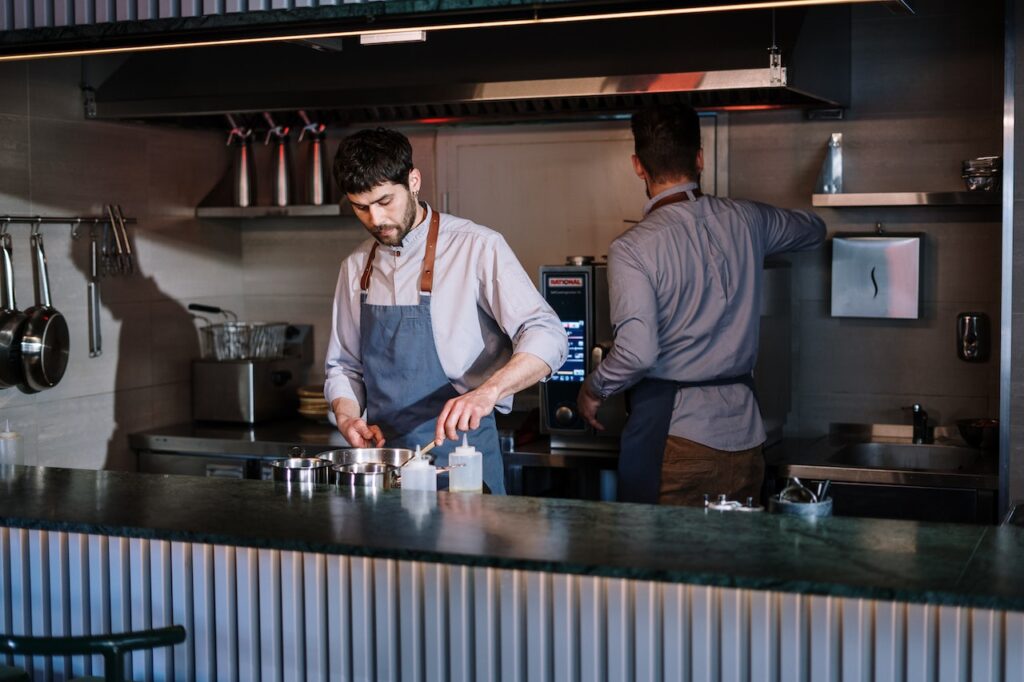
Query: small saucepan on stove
{"type": "Point", "coordinates": [45, 341]}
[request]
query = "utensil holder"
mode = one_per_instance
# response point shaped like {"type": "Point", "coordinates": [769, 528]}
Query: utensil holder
{"type": "Point", "coordinates": [808, 510]}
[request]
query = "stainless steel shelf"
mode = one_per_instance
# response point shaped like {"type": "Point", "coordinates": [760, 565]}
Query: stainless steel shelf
{"type": "Point", "coordinates": [298, 211]}
{"type": "Point", "coordinates": [908, 199]}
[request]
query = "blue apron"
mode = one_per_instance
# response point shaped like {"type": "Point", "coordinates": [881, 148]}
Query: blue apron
{"type": "Point", "coordinates": [406, 386]}
{"type": "Point", "coordinates": [651, 402]}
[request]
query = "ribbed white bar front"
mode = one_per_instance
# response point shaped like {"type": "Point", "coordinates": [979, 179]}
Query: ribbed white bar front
{"type": "Point", "coordinates": [269, 616]}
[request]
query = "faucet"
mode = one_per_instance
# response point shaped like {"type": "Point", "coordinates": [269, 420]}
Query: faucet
{"type": "Point", "coordinates": [920, 423]}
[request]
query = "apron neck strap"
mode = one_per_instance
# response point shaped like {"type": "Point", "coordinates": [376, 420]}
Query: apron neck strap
{"type": "Point", "coordinates": [427, 275]}
{"type": "Point", "coordinates": [427, 271]}
{"type": "Point", "coordinates": [364, 281]}
{"type": "Point", "coordinates": [688, 195]}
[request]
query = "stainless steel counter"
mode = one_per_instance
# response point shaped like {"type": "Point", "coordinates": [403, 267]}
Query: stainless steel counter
{"type": "Point", "coordinates": [821, 458]}
{"type": "Point", "coordinates": [269, 440]}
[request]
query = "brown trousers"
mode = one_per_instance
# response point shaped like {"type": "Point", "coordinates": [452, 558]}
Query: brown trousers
{"type": "Point", "coordinates": [689, 470]}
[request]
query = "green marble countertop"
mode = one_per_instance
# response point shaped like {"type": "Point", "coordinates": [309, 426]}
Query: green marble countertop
{"type": "Point", "coordinates": [893, 560]}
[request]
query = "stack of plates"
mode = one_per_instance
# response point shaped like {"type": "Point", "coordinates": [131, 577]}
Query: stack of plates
{"type": "Point", "coordinates": [312, 403]}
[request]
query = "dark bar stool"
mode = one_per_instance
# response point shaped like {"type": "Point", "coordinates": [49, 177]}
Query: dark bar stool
{"type": "Point", "coordinates": [111, 647]}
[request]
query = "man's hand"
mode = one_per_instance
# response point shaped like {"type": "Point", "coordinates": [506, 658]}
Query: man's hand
{"type": "Point", "coordinates": [587, 403]}
{"type": "Point", "coordinates": [464, 413]}
{"type": "Point", "coordinates": [359, 434]}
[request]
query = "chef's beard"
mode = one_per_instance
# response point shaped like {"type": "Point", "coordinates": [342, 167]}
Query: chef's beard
{"type": "Point", "coordinates": [408, 222]}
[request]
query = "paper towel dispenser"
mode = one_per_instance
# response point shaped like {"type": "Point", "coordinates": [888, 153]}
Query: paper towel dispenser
{"type": "Point", "coordinates": [876, 276]}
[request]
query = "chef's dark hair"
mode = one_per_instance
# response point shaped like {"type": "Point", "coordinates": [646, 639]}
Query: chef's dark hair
{"type": "Point", "coordinates": [667, 139]}
{"type": "Point", "coordinates": [371, 157]}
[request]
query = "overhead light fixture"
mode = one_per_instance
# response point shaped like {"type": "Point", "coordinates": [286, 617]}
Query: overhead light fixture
{"type": "Point", "coordinates": [377, 36]}
{"type": "Point", "coordinates": [417, 36]}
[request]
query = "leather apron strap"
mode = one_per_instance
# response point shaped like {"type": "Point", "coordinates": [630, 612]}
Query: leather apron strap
{"type": "Point", "coordinates": [687, 195]}
{"type": "Point", "coordinates": [427, 268]}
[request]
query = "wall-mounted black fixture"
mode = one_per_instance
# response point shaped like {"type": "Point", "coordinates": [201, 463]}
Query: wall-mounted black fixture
{"type": "Point", "coordinates": [973, 337]}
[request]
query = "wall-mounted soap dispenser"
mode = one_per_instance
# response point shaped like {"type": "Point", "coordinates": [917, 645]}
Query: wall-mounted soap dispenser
{"type": "Point", "coordinates": [973, 339]}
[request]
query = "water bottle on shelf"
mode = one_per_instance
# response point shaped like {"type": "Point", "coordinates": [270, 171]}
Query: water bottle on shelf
{"type": "Point", "coordinates": [467, 474]}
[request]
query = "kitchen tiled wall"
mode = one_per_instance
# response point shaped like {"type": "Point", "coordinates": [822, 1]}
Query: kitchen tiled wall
{"type": "Point", "coordinates": [54, 162]}
{"type": "Point", "coordinates": [926, 94]}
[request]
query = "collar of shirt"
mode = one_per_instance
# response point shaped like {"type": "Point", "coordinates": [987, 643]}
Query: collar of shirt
{"type": "Point", "coordinates": [416, 236]}
{"type": "Point", "coordinates": [674, 189]}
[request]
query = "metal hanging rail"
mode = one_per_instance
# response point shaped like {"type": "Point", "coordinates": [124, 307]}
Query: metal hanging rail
{"type": "Point", "coordinates": [74, 221]}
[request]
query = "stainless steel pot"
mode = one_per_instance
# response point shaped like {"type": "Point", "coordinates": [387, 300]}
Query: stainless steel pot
{"type": "Point", "coordinates": [301, 470]}
{"type": "Point", "coordinates": [12, 321]}
{"type": "Point", "coordinates": [45, 341]}
{"type": "Point", "coordinates": [395, 457]}
{"type": "Point", "coordinates": [365, 475]}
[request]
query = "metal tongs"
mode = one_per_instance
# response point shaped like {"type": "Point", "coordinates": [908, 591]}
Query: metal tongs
{"type": "Point", "coordinates": [118, 260]}
{"type": "Point", "coordinates": [798, 492]}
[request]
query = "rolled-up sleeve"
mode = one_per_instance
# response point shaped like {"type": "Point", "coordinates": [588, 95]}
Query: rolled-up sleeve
{"type": "Point", "coordinates": [634, 317]}
{"type": "Point", "coordinates": [520, 310]}
{"type": "Point", "coordinates": [343, 367]}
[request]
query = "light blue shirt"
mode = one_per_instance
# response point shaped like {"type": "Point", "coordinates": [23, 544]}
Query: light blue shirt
{"type": "Point", "coordinates": [685, 292]}
{"type": "Point", "coordinates": [484, 307]}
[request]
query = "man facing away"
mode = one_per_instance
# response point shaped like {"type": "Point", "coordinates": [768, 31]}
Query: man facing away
{"type": "Point", "coordinates": [685, 294]}
{"type": "Point", "coordinates": [436, 323]}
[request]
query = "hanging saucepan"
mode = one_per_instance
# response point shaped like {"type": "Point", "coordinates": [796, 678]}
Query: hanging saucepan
{"type": "Point", "coordinates": [12, 320]}
{"type": "Point", "coordinates": [44, 345]}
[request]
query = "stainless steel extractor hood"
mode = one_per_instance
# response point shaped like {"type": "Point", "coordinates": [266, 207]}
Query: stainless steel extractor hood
{"type": "Point", "coordinates": [535, 73]}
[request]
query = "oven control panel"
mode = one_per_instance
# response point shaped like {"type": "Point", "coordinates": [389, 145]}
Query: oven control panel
{"type": "Point", "coordinates": [569, 290]}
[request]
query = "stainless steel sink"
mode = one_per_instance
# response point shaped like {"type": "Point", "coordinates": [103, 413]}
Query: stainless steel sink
{"type": "Point", "coordinates": [914, 457]}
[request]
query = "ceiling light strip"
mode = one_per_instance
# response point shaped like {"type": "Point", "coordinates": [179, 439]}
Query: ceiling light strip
{"type": "Point", "coordinates": [536, 21]}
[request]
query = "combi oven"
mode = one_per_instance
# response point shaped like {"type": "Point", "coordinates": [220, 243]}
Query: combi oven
{"type": "Point", "coordinates": [578, 292]}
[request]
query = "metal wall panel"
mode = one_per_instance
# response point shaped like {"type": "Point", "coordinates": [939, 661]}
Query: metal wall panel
{"type": "Point", "coordinates": [268, 615]}
{"type": "Point", "coordinates": [29, 14]}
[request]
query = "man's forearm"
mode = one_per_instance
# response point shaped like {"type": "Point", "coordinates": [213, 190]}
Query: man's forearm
{"type": "Point", "coordinates": [345, 408]}
{"type": "Point", "coordinates": [522, 371]}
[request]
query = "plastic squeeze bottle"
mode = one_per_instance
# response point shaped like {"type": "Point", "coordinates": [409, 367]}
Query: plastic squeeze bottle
{"type": "Point", "coordinates": [419, 473]}
{"type": "Point", "coordinates": [469, 477]}
{"type": "Point", "coordinates": [10, 446]}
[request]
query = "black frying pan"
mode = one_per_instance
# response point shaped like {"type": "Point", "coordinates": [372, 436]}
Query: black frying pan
{"type": "Point", "coordinates": [44, 343]}
{"type": "Point", "coordinates": [12, 321]}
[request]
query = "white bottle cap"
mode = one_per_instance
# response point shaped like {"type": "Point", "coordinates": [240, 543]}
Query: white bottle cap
{"type": "Point", "coordinates": [465, 449]}
{"type": "Point", "coordinates": [418, 460]}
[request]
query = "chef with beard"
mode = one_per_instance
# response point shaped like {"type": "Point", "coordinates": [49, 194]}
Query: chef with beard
{"type": "Point", "coordinates": [436, 324]}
